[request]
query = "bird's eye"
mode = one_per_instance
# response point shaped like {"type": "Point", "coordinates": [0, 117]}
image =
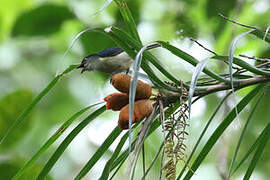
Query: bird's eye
{"type": "Point", "coordinates": [84, 60]}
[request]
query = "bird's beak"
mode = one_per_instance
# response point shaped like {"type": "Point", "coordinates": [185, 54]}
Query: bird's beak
{"type": "Point", "coordinates": [83, 70]}
{"type": "Point", "coordinates": [80, 66]}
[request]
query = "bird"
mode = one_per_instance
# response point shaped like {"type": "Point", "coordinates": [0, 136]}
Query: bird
{"type": "Point", "coordinates": [111, 60]}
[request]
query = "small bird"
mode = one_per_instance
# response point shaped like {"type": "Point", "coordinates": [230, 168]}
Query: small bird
{"type": "Point", "coordinates": [111, 60]}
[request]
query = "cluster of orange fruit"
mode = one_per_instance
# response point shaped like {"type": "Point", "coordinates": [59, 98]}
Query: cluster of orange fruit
{"type": "Point", "coordinates": [119, 101]}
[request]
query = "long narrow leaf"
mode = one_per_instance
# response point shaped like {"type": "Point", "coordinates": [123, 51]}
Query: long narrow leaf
{"type": "Point", "coordinates": [202, 134]}
{"type": "Point", "coordinates": [190, 59]}
{"type": "Point", "coordinates": [119, 166]}
{"type": "Point", "coordinates": [35, 101]}
{"type": "Point", "coordinates": [248, 153]}
{"type": "Point", "coordinates": [258, 153]}
{"type": "Point", "coordinates": [153, 161]}
{"type": "Point", "coordinates": [262, 35]}
{"type": "Point", "coordinates": [243, 132]}
{"type": "Point", "coordinates": [107, 168]}
{"type": "Point", "coordinates": [51, 140]}
{"type": "Point", "coordinates": [129, 20]}
{"type": "Point", "coordinates": [230, 59]}
{"type": "Point", "coordinates": [220, 129]}
{"type": "Point", "coordinates": [244, 65]}
{"type": "Point", "coordinates": [101, 150]}
{"type": "Point", "coordinates": [62, 147]}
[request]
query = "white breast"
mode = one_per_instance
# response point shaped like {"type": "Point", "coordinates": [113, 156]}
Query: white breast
{"type": "Point", "coordinates": [121, 62]}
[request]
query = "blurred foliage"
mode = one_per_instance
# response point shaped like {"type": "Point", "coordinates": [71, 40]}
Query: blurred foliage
{"type": "Point", "coordinates": [8, 169]}
{"type": "Point", "coordinates": [34, 35]}
{"type": "Point", "coordinates": [12, 106]}
{"type": "Point", "coordinates": [9, 10]}
{"type": "Point", "coordinates": [215, 7]}
{"type": "Point", "coordinates": [223, 7]}
{"type": "Point", "coordinates": [186, 25]}
{"type": "Point", "coordinates": [43, 20]}
{"type": "Point", "coordinates": [93, 42]}
{"type": "Point", "coordinates": [135, 8]}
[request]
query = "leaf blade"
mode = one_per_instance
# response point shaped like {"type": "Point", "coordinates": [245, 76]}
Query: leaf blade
{"type": "Point", "coordinates": [101, 150]}
{"type": "Point", "coordinates": [243, 132]}
{"type": "Point", "coordinates": [220, 129]}
{"type": "Point", "coordinates": [62, 147]}
{"type": "Point", "coordinates": [35, 101]}
{"type": "Point", "coordinates": [129, 20]}
{"type": "Point", "coordinates": [51, 140]}
{"type": "Point", "coordinates": [262, 143]}
{"type": "Point", "coordinates": [43, 20]}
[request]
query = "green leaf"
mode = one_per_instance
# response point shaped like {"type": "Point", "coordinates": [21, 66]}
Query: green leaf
{"type": "Point", "coordinates": [93, 42]}
{"type": "Point", "coordinates": [261, 146]}
{"type": "Point", "coordinates": [214, 7]}
{"type": "Point", "coordinates": [220, 129]}
{"type": "Point", "coordinates": [107, 168]}
{"type": "Point", "coordinates": [43, 20]}
{"type": "Point", "coordinates": [129, 20]}
{"type": "Point", "coordinates": [101, 150]}
{"type": "Point", "coordinates": [35, 101]}
{"type": "Point", "coordinates": [62, 147]}
{"type": "Point", "coordinates": [11, 106]}
{"type": "Point", "coordinates": [244, 65]}
{"type": "Point", "coordinates": [261, 35]}
{"type": "Point", "coordinates": [202, 134]}
{"type": "Point", "coordinates": [243, 132]}
{"type": "Point", "coordinates": [50, 141]}
{"type": "Point", "coordinates": [9, 167]}
{"type": "Point", "coordinates": [190, 59]}
{"type": "Point", "coordinates": [248, 153]}
{"type": "Point", "coordinates": [189, 27]}
{"type": "Point", "coordinates": [119, 165]}
{"type": "Point", "coordinates": [153, 161]}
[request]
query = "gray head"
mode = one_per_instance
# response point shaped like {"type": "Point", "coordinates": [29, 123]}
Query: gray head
{"type": "Point", "coordinates": [87, 62]}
